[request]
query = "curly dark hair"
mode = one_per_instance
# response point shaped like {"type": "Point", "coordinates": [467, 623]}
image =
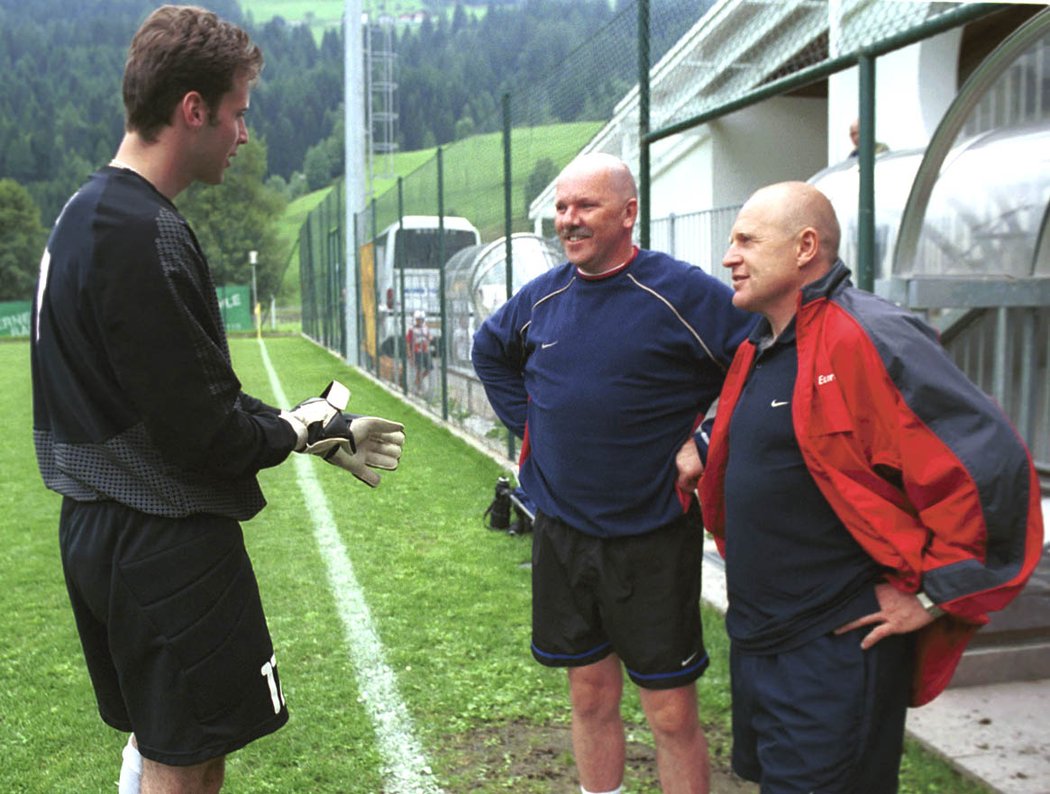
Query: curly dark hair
{"type": "Point", "coordinates": [179, 49]}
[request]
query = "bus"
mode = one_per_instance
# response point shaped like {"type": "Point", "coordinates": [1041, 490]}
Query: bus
{"type": "Point", "coordinates": [413, 249]}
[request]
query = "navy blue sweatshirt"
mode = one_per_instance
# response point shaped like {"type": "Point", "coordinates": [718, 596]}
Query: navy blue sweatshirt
{"type": "Point", "coordinates": [610, 375]}
{"type": "Point", "coordinates": [793, 570]}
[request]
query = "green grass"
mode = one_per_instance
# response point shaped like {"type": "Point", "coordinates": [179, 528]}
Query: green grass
{"type": "Point", "coordinates": [449, 599]}
{"type": "Point", "coordinates": [401, 164]}
{"type": "Point", "coordinates": [473, 182]}
{"type": "Point", "coordinates": [320, 15]}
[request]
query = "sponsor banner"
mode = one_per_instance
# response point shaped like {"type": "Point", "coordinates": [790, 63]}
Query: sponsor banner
{"type": "Point", "coordinates": [235, 302]}
{"type": "Point", "coordinates": [14, 318]}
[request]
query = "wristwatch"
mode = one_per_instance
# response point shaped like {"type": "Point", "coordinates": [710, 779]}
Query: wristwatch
{"type": "Point", "coordinates": [931, 608]}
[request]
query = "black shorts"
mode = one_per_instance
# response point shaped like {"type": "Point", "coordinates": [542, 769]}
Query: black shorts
{"type": "Point", "coordinates": [637, 597]}
{"type": "Point", "coordinates": [423, 362]}
{"type": "Point", "coordinates": [826, 716]}
{"type": "Point", "coordinates": [172, 628]}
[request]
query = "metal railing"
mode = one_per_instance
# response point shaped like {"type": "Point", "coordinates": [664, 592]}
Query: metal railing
{"type": "Point", "coordinates": [700, 238]}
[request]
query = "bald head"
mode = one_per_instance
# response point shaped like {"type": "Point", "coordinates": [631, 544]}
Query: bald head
{"type": "Point", "coordinates": [795, 206]}
{"type": "Point", "coordinates": [606, 169]}
{"type": "Point", "coordinates": [595, 207]}
{"type": "Point", "coordinates": [784, 237]}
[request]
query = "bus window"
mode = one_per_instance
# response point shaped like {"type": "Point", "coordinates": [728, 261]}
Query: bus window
{"type": "Point", "coordinates": [420, 248]}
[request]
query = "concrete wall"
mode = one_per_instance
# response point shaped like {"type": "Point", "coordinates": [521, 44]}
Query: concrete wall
{"type": "Point", "coordinates": [722, 163]}
{"type": "Point", "coordinates": [913, 88]}
{"type": "Point", "coordinates": [680, 173]}
{"type": "Point", "coordinates": [783, 138]}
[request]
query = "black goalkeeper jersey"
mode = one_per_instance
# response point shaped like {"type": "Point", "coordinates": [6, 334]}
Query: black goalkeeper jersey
{"type": "Point", "coordinates": [134, 396]}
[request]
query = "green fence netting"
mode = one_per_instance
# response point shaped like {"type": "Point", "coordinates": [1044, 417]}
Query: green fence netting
{"type": "Point", "coordinates": [436, 240]}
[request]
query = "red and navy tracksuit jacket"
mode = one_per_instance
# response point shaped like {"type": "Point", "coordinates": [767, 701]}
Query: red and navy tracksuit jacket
{"type": "Point", "coordinates": [922, 468]}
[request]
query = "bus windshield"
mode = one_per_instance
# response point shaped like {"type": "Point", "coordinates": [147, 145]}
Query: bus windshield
{"type": "Point", "coordinates": [419, 248]}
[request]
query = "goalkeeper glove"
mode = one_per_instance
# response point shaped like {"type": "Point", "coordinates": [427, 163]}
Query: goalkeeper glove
{"type": "Point", "coordinates": [362, 444]}
{"type": "Point", "coordinates": [309, 417]}
{"type": "Point", "coordinates": [355, 443]}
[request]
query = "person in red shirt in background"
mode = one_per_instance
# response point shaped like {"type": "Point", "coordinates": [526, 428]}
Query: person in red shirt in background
{"type": "Point", "coordinates": [418, 339]}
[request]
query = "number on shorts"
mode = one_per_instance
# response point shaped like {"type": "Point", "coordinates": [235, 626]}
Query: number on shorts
{"type": "Point", "coordinates": [269, 671]}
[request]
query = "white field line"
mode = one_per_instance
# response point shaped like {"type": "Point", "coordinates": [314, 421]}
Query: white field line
{"type": "Point", "coordinates": [405, 769]}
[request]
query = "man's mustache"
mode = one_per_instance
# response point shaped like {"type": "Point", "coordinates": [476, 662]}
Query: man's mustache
{"type": "Point", "coordinates": [575, 231]}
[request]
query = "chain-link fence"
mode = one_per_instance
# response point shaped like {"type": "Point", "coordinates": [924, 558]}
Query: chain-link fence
{"type": "Point", "coordinates": [696, 237]}
{"type": "Point", "coordinates": [417, 311]}
{"type": "Point", "coordinates": [322, 272]}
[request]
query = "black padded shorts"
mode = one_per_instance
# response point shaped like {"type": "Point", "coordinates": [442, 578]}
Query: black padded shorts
{"type": "Point", "coordinates": [173, 630]}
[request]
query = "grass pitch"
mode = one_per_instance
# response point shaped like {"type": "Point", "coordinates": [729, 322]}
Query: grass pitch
{"type": "Point", "coordinates": [449, 599]}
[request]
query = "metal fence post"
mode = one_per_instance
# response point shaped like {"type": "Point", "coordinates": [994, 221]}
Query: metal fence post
{"type": "Point", "coordinates": [508, 224]}
{"type": "Point", "coordinates": [376, 292]}
{"type": "Point", "coordinates": [643, 122]}
{"type": "Point", "coordinates": [401, 343]}
{"type": "Point", "coordinates": [340, 252]}
{"type": "Point", "coordinates": [866, 157]}
{"type": "Point", "coordinates": [508, 227]}
{"type": "Point", "coordinates": [357, 318]}
{"type": "Point", "coordinates": [443, 346]}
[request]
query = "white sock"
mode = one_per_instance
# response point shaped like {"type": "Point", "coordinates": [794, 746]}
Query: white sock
{"type": "Point", "coordinates": [130, 770]}
{"type": "Point", "coordinates": [617, 790]}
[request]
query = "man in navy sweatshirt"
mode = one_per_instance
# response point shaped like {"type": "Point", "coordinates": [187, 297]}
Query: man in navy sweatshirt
{"type": "Point", "coordinates": [605, 366]}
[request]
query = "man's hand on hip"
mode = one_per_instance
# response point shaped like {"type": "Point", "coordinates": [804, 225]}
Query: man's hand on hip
{"type": "Point", "coordinates": [899, 613]}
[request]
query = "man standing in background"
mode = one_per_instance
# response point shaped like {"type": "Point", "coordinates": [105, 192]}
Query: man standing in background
{"type": "Point", "coordinates": [605, 365]}
{"type": "Point", "coordinates": [417, 340]}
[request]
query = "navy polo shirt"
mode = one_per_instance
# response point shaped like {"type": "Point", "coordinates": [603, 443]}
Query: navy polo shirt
{"type": "Point", "coordinates": [793, 571]}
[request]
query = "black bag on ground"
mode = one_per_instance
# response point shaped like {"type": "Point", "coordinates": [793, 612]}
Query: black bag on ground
{"type": "Point", "coordinates": [506, 501]}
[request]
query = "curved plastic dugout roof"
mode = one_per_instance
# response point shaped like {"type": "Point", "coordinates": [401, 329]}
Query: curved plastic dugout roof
{"type": "Point", "coordinates": [978, 206]}
{"type": "Point", "coordinates": [894, 175]}
{"type": "Point", "coordinates": [986, 210]}
{"type": "Point", "coordinates": [476, 283]}
{"type": "Point", "coordinates": [971, 206]}
{"type": "Point", "coordinates": [480, 271]}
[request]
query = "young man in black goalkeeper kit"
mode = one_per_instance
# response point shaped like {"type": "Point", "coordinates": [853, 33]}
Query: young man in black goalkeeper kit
{"type": "Point", "coordinates": [140, 423]}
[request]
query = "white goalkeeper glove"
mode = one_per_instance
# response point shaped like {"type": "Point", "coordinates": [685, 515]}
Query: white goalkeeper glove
{"type": "Point", "coordinates": [363, 444]}
{"type": "Point", "coordinates": [355, 443]}
{"type": "Point", "coordinates": [309, 417]}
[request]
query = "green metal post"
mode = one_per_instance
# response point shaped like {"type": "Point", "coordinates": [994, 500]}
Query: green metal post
{"type": "Point", "coordinates": [306, 278]}
{"type": "Point", "coordinates": [399, 262]}
{"type": "Point", "coordinates": [340, 242]}
{"type": "Point", "coordinates": [376, 288]}
{"type": "Point", "coordinates": [508, 225]}
{"type": "Point", "coordinates": [508, 228]}
{"type": "Point", "coordinates": [359, 334]}
{"type": "Point", "coordinates": [441, 283]}
{"type": "Point", "coordinates": [643, 122]}
{"type": "Point", "coordinates": [866, 162]}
